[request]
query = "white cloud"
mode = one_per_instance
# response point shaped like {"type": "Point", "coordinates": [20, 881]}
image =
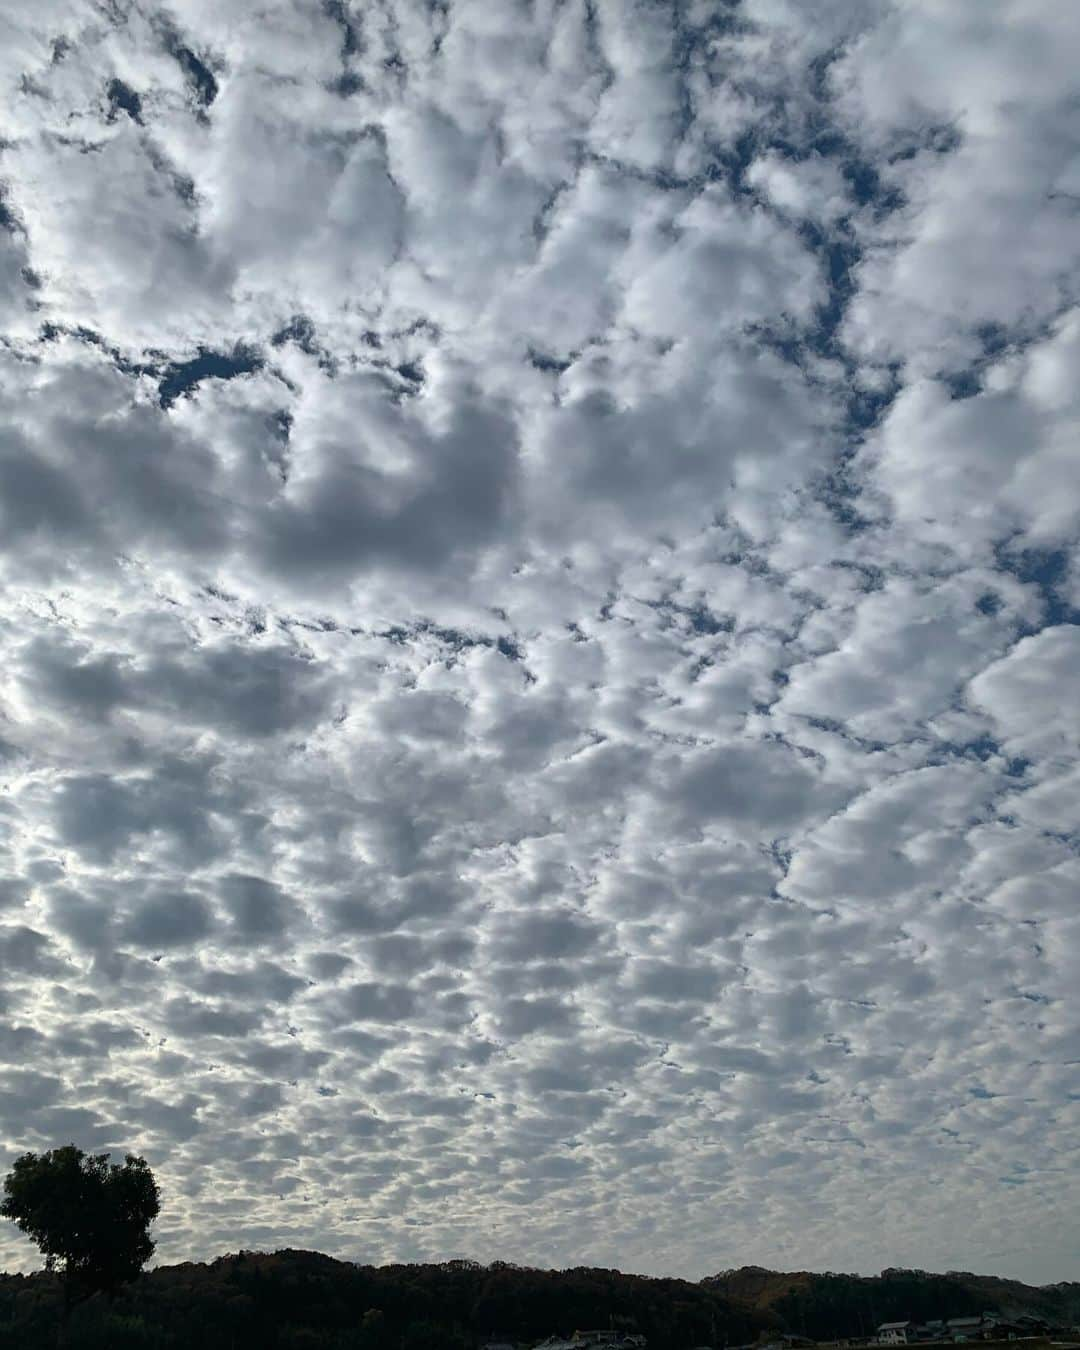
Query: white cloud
{"type": "Point", "coordinates": [932, 275]}
{"type": "Point", "coordinates": [539, 557]}
{"type": "Point", "coordinates": [1027, 693]}
{"type": "Point", "coordinates": [812, 188]}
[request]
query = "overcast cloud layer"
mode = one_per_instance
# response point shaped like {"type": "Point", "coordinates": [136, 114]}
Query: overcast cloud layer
{"type": "Point", "coordinates": [538, 542]}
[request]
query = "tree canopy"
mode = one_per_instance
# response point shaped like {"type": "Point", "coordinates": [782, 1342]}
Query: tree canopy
{"type": "Point", "coordinates": [90, 1217]}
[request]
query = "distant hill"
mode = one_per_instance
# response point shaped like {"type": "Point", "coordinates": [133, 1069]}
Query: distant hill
{"type": "Point", "coordinates": [831, 1305]}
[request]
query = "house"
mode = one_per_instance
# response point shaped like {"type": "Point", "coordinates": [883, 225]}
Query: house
{"type": "Point", "coordinates": [895, 1333]}
{"type": "Point", "coordinates": [611, 1340]}
{"type": "Point", "coordinates": [964, 1328]}
{"type": "Point", "coordinates": [1028, 1325]}
{"type": "Point", "coordinates": [1006, 1330]}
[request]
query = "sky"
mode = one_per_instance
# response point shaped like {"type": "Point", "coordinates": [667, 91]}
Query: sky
{"type": "Point", "coordinates": [540, 614]}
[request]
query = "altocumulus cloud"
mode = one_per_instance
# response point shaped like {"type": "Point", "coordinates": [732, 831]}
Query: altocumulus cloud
{"type": "Point", "coordinates": [540, 585]}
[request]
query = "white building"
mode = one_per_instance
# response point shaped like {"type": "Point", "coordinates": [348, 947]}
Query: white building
{"type": "Point", "coordinates": [895, 1333]}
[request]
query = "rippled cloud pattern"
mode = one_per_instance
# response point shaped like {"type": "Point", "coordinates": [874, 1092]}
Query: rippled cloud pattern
{"type": "Point", "coordinates": [540, 616]}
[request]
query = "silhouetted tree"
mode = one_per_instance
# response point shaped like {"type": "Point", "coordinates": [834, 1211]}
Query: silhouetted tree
{"type": "Point", "coordinates": [90, 1218]}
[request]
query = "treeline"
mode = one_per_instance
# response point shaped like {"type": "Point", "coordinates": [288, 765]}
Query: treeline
{"type": "Point", "coordinates": [294, 1300]}
{"type": "Point", "coordinates": [828, 1306]}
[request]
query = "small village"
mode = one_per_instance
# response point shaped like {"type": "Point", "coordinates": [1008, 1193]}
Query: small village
{"type": "Point", "coordinates": [580, 1340]}
{"type": "Point", "coordinates": [989, 1328]}
{"type": "Point", "coordinates": [985, 1327]}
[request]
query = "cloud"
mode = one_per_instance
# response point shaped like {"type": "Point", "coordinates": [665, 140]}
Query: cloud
{"type": "Point", "coordinates": [540, 579]}
{"type": "Point", "coordinates": [258, 910]}
{"type": "Point", "coordinates": [1026, 692]}
{"type": "Point", "coordinates": [169, 921]}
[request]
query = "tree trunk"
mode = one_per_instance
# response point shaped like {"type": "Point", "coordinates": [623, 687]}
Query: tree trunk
{"type": "Point", "coordinates": [73, 1295]}
{"type": "Point", "coordinates": [63, 1331]}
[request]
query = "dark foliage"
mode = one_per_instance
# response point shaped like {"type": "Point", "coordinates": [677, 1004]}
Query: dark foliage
{"type": "Point", "coordinates": [295, 1300]}
{"type": "Point", "coordinates": [90, 1218]}
{"type": "Point", "coordinates": [303, 1301]}
{"type": "Point", "coordinates": [827, 1306]}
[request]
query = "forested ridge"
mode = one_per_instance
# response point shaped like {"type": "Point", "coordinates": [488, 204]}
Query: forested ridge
{"type": "Point", "coordinates": [296, 1300]}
